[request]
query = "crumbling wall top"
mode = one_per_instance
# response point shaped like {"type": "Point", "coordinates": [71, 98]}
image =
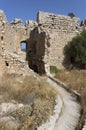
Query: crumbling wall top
{"type": "Point", "coordinates": [57, 23]}
{"type": "Point", "coordinates": [43, 17]}
{"type": "Point", "coordinates": [16, 21]}
{"type": "Point", "coordinates": [3, 19]}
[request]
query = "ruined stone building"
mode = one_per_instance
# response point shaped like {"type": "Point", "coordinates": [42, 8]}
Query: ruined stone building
{"type": "Point", "coordinates": [44, 40]}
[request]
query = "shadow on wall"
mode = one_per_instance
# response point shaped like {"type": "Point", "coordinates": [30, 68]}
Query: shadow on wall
{"type": "Point", "coordinates": [35, 51]}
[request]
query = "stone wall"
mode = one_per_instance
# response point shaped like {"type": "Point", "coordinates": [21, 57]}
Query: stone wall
{"type": "Point", "coordinates": [59, 30]}
{"type": "Point", "coordinates": [45, 41]}
{"type": "Point", "coordinates": [58, 23]}
{"type": "Point", "coordinates": [12, 35]}
{"type": "Point", "coordinates": [14, 63]}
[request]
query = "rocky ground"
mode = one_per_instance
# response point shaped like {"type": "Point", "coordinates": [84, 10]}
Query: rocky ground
{"type": "Point", "coordinates": [31, 102]}
{"type": "Point", "coordinates": [26, 102]}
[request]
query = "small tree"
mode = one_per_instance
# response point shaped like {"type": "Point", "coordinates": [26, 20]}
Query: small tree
{"type": "Point", "coordinates": [71, 15]}
{"type": "Point", "coordinates": [75, 51]}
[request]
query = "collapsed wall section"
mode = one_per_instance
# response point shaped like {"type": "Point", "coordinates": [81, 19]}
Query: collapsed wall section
{"type": "Point", "coordinates": [36, 50]}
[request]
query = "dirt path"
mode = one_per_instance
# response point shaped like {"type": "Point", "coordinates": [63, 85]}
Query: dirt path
{"type": "Point", "coordinates": [84, 127]}
{"type": "Point", "coordinates": [69, 110]}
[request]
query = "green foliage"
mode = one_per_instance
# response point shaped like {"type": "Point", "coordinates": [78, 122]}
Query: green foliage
{"type": "Point", "coordinates": [75, 51]}
{"type": "Point", "coordinates": [54, 69]}
{"type": "Point", "coordinates": [71, 15]}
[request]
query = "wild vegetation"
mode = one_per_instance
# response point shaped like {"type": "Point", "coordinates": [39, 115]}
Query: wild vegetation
{"type": "Point", "coordinates": [75, 74]}
{"type": "Point", "coordinates": [76, 80]}
{"type": "Point", "coordinates": [71, 14]}
{"type": "Point", "coordinates": [34, 94]}
{"type": "Point", "coordinates": [54, 69]}
{"type": "Point", "coordinates": [75, 51]}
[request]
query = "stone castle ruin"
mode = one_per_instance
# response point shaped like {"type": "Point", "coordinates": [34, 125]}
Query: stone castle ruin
{"type": "Point", "coordinates": [44, 41]}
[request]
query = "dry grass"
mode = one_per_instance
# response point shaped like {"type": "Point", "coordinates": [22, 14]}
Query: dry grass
{"type": "Point", "coordinates": [22, 88]}
{"type": "Point", "coordinates": [37, 94]}
{"type": "Point", "coordinates": [76, 80]}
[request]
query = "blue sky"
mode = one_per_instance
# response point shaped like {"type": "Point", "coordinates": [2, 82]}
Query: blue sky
{"type": "Point", "coordinates": [27, 9]}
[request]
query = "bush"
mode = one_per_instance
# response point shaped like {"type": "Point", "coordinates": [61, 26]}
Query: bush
{"type": "Point", "coordinates": [53, 69]}
{"type": "Point", "coordinates": [71, 15]}
{"type": "Point", "coordinates": [75, 51]}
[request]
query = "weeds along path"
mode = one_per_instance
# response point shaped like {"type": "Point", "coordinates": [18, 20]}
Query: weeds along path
{"type": "Point", "coordinates": [49, 125]}
{"type": "Point", "coordinates": [69, 113]}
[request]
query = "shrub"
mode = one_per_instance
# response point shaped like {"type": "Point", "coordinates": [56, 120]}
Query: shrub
{"type": "Point", "coordinates": [75, 51]}
{"type": "Point", "coordinates": [54, 69]}
{"type": "Point", "coordinates": [71, 15]}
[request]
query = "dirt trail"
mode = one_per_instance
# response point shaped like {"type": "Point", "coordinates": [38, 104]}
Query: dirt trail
{"type": "Point", "coordinates": [69, 110]}
{"type": "Point", "coordinates": [84, 127]}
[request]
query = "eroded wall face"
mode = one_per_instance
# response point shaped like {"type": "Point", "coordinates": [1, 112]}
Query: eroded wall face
{"type": "Point", "coordinates": [45, 41]}
{"type": "Point", "coordinates": [11, 36]}
{"type": "Point", "coordinates": [59, 31]}
{"type": "Point", "coordinates": [36, 50]}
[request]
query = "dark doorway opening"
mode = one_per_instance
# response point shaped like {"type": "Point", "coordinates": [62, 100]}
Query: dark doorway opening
{"type": "Point", "coordinates": [6, 63]}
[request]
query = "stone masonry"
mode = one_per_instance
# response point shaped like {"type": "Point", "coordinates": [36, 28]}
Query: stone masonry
{"type": "Point", "coordinates": [45, 41]}
{"type": "Point", "coordinates": [50, 37]}
{"type": "Point", "coordinates": [11, 36]}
